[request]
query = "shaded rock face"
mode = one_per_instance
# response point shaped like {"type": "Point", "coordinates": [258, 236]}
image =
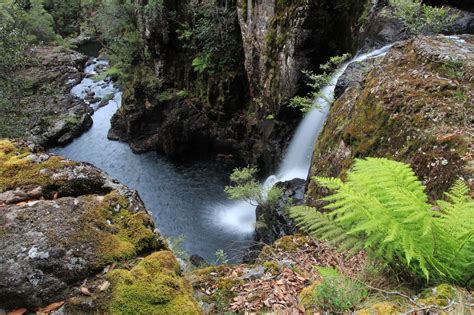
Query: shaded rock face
{"type": "Point", "coordinates": [275, 223]}
{"type": "Point", "coordinates": [208, 120]}
{"type": "Point", "coordinates": [60, 223]}
{"type": "Point", "coordinates": [271, 45]}
{"type": "Point", "coordinates": [46, 113]}
{"type": "Point", "coordinates": [415, 107]}
{"type": "Point", "coordinates": [283, 38]}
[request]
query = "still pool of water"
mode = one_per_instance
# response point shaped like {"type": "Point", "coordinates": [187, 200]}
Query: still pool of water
{"type": "Point", "coordinates": [184, 199]}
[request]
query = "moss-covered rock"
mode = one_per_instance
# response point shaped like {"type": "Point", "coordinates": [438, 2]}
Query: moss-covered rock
{"type": "Point", "coordinates": [62, 222]}
{"type": "Point", "coordinates": [441, 295]}
{"type": "Point", "coordinates": [153, 286]}
{"type": "Point", "coordinates": [380, 308]}
{"type": "Point", "coordinates": [413, 107]}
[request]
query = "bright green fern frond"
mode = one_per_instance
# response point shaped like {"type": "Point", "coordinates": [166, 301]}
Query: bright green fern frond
{"type": "Point", "coordinates": [383, 208]}
{"type": "Point", "coordinates": [456, 223]}
{"type": "Point", "coordinates": [323, 226]}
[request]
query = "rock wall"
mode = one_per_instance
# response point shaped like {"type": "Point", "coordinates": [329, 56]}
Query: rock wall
{"type": "Point", "coordinates": [282, 38]}
{"type": "Point", "coordinates": [239, 114]}
{"type": "Point", "coordinates": [415, 106]}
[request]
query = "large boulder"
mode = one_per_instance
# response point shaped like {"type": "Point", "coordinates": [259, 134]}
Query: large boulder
{"type": "Point", "coordinates": [45, 111]}
{"type": "Point", "coordinates": [62, 222]}
{"type": "Point", "coordinates": [415, 107]}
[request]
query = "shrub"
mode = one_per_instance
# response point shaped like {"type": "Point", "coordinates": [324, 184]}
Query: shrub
{"type": "Point", "coordinates": [420, 18]}
{"type": "Point", "coordinates": [246, 187]}
{"type": "Point", "coordinates": [316, 82]}
{"type": "Point", "coordinates": [337, 292]}
{"type": "Point", "coordinates": [383, 208]}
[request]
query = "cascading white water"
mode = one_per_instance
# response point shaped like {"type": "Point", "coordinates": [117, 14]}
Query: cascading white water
{"type": "Point", "coordinates": [239, 216]}
{"type": "Point", "coordinates": [297, 160]}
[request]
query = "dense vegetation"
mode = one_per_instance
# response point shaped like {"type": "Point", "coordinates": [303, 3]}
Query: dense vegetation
{"type": "Point", "coordinates": [382, 208]}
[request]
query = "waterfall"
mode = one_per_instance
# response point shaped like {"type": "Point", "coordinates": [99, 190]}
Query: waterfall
{"type": "Point", "coordinates": [297, 160]}
{"type": "Point", "coordinates": [239, 216]}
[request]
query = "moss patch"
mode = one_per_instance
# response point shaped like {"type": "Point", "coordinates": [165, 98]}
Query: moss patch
{"type": "Point", "coordinates": [152, 287]}
{"type": "Point", "coordinates": [121, 234]}
{"type": "Point", "coordinates": [16, 169]}
{"type": "Point", "coordinates": [440, 295]}
{"type": "Point", "coordinates": [385, 308]}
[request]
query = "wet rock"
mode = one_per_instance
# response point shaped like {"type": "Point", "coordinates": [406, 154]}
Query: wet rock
{"type": "Point", "coordinates": [47, 114]}
{"type": "Point", "coordinates": [382, 27]}
{"type": "Point", "coordinates": [408, 109]}
{"type": "Point", "coordinates": [355, 74]}
{"type": "Point", "coordinates": [198, 261]}
{"type": "Point", "coordinates": [273, 223]}
{"type": "Point", "coordinates": [74, 220]}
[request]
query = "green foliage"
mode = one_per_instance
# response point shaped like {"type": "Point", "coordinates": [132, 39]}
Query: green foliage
{"type": "Point", "coordinates": [383, 208]}
{"type": "Point", "coordinates": [66, 14]}
{"type": "Point", "coordinates": [116, 21]}
{"type": "Point", "coordinates": [176, 245]}
{"type": "Point", "coordinates": [34, 21]}
{"type": "Point", "coordinates": [316, 82]}
{"type": "Point", "coordinates": [200, 64]}
{"type": "Point", "coordinates": [454, 68]}
{"type": "Point", "coordinates": [246, 187]}
{"type": "Point", "coordinates": [221, 257]}
{"type": "Point", "coordinates": [420, 18]}
{"type": "Point", "coordinates": [337, 293]}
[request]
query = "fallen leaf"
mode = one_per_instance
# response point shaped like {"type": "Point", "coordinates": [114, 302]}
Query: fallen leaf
{"type": "Point", "coordinates": [48, 309]}
{"type": "Point", "coordinates": [19, 311]}
{"type": "Point", "coordinates": [104, 286]}
{"type": "Point", "coordinates": [85, 291]}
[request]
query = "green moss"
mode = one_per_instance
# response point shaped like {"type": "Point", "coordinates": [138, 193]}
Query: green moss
{"type": "Point", "coordinates": [121, 234]}
{"type": "Point", "coordinates": [441, 295]}
{"type": "Point", "coordinates": [305, 295]}
{"type": "Point", "coordinates": [17, 170]}
{"type": "Point", "coordinates": [271, 267]}
{"type": "Point", "coordinates": [380, 308]}
{"type": "Point", "coordinates": [151, 287]}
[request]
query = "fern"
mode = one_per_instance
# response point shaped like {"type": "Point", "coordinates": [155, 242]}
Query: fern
{"type": "Point", "coordinates": [456, 219]}
{"type": "Point", "coordinates": [383, 208]}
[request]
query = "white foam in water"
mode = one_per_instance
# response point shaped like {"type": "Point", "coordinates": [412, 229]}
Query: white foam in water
{"type": "Point", "coordinates": [100, 88]}
{"type": "Point", "coordinates": [239, 217]}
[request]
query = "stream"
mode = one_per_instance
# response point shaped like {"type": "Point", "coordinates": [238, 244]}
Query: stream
{"type": "Point", "coordinates": [188, 201]}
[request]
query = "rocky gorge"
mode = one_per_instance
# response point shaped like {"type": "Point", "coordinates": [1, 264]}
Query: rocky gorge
{"type": "Point", "coordinates": [76, 240]}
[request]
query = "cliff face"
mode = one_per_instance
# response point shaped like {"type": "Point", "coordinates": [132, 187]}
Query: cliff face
{"type": "Point", "coordinates": [415, 106]}
{"type": "Point", "coordinates": [190, 98]}
{"type": "Point", "coordinates": [282, 38]}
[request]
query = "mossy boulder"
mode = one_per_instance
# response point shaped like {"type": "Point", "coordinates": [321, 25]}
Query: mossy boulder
{"type": "Point", "coordinates": [413, 107]}
{"type": "Point", "coordinates": [60, 223]}
{"type": "Point", "coordinates": [153, 286]}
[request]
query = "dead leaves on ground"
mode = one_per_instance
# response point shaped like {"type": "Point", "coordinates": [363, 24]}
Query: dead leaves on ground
{"type": "Point", "coordinates": [278, 290]}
